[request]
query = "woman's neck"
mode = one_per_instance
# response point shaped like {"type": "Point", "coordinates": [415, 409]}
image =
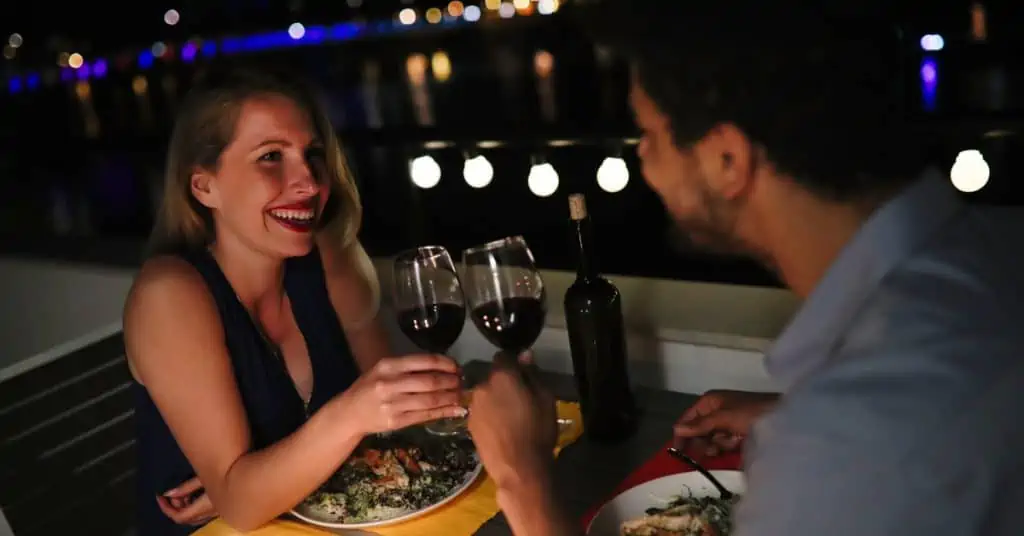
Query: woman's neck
{"type": "Point", "coordinates": [257, 279]}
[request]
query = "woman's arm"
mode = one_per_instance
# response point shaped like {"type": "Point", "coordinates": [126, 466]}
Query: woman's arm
{"type": "Point", "coordinates": [355, 294]}
{"type": "Point", "coordinates": [183, 362]}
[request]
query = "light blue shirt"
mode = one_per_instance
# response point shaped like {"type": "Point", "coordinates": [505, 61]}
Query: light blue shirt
{"type": "Point", "coordinates": [903, 374]}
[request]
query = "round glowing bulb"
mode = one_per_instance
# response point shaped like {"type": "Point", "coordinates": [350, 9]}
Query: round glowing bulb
{"type": "Point", "coordinates": [547, 7]}
{"type": "Point", "coordinates": [613, 175]}
{"type": "Point", "coordinates": [471, 14]}
{"type": "Point", "coordinates": [478, 171]}
{"type": "Point", "coordinates": [932, 43]}
{"type": "Point", "coordinates": [543, 180]}
{"type": "Point", "coordinates": [425, 171]}
{"type": "Point", "coordinates": [970, 171]}
{"type": "Point", "coordinates": [407, 16]}
{"type": "Point", "coordinates": [15, 40]}
{"type": "Point", "coordinates": [296, 30]}
{"type": "Point", "coordinates": [171, 17]}
{"type": "Point", "coordinates": [75, 60]}
{"type": "Point", "coordinates": [506, 10]}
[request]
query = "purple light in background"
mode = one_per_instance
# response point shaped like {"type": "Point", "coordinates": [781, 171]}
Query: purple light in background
{"type": "Point", "coordinates": [99, 68]}
{"type": "Point", "coordinates": [929, 72]}
{"type": "Point", "coordinates": [83, 72]}
{"type": "Point", "coordinates": [67, 74]}
{"type": "Point", "coordinates": [929, 83]}
{"type": "Point", "coordinates": [188, 52]}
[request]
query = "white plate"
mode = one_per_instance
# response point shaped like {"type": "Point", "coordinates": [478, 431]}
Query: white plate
{"type": "Point", "coordinates": [310, 517]}
{"type": "Point", "coordinates": [632, 503]}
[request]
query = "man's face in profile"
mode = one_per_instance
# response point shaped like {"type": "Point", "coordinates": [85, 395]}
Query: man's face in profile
{"type": "Point", "coordinates": [681, 177]}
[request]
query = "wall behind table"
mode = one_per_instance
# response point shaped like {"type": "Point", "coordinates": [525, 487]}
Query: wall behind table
{"type": "Point", "coordinates": [683, 336]}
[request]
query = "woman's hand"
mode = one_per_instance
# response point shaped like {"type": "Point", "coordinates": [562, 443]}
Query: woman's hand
{"type": "Point", "coordinates": [183, 506]}
{"type": "Point", "coordinates": [403, 391]}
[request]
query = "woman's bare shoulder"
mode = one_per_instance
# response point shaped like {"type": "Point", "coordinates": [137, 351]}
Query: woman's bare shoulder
{"type": "Point", "coordinates": [164, 287]}
{"type": "Point", "coordinates": [162, 275]}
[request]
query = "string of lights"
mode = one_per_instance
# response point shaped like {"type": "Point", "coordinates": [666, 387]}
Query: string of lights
{"type": "Point", "coordinates": [74, 66]}
{"type": "Point", "coordinates": [612, 174]}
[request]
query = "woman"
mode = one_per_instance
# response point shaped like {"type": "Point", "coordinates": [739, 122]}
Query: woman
{"type": "Point", "coordinates": [252, 329]}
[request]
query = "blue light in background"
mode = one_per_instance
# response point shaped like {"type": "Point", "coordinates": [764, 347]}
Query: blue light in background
{"type": "Point", "coordinates": [315, 35]}
{"type": "Point", "coordinates": [99, 68]}
{"type": "Point", "coordinates": [188, 52]}
{"type": "Point", "coordinates": [929, 83]}
{"type": "Point", "coordinates": [345, 31]}
{"type": "Point", "coordinates": [145, 59]}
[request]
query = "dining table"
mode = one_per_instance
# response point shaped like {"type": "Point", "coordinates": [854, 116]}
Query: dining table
{"type": "Point", "coordinates": [587, 473]}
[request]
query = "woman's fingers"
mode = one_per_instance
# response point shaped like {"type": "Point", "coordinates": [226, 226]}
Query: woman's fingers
{"type": "Point", "coordinates": [410, 418]}
{"type": "Point", "coordinates": [412, 402]}
{"type": "Point", "coordinates": [420, 382]}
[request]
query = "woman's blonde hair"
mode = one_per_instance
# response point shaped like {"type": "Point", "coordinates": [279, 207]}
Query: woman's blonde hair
{"type": "Point", "coordinates": [205, 126]}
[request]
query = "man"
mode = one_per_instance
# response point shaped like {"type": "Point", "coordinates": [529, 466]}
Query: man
{"type": "Point", "coordinates": [778, 134]}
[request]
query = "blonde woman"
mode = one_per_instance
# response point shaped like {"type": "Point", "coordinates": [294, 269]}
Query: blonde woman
{"type": "Point", "coordinates": [251, 330]}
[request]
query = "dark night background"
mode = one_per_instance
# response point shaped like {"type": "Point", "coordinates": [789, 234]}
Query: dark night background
{"type": "Point", "coordinates": [81, 149]}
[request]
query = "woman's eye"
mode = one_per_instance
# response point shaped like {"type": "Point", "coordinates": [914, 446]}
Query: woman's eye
{"type": "Point", "coordinates": [316, 155]}
{"type": "Point", "coordinates": [271, 156]}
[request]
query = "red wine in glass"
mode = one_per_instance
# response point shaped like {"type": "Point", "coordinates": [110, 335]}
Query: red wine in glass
{"type": "Point", "coordinates": [505, 293]}
{"type": "Point", "coordinates": [433, 327]}
{"type": "Point", "coordinates": [430, 307]}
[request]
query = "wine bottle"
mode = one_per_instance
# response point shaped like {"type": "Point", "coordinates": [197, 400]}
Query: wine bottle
{"type": "Point", "coordinates": [597, 339]}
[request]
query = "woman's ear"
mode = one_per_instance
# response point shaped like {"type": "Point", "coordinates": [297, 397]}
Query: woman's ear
{"type": "Point", "coordinates": [204, 189]}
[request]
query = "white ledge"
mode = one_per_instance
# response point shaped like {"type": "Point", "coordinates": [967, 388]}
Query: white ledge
{"type": "Point", "coordinates": [682, 336]}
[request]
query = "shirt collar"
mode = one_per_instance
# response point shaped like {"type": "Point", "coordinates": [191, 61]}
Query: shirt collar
{"type": "Point", "coordinates": [892, 234]}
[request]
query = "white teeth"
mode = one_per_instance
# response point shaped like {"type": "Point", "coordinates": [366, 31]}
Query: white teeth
{"type": "Point", "coordinates": [294, 215]}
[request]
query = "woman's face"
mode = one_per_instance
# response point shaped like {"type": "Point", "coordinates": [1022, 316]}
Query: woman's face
{"type": "Point", "coordinates": [271, 184]}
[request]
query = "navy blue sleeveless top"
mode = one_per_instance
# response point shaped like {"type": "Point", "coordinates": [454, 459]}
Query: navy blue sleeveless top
{"type": "Point", "coordinates": [272, 404]}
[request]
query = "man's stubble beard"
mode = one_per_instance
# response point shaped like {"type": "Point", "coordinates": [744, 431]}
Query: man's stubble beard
{"type": "Point", "coordinates": [714, 232]}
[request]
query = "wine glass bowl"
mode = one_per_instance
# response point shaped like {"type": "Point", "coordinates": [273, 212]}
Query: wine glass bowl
{"type": "Point", "coordinates": [505, 293]}
{"type": "Point", "coordinates": [430, 308]}
{"type": "Point", "coordinates": [428, 298]}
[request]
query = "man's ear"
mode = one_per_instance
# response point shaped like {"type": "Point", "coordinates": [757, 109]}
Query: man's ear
{"type": "Point", "coordinates": [204, 189]}
{"type": "Point", "coordinates": [729, 160]}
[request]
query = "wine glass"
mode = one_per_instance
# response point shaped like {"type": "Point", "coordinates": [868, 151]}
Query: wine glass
{"type": "Point", "coordinates": [430, 307]}
{"type": "Point", "coordinates": [505, 294]}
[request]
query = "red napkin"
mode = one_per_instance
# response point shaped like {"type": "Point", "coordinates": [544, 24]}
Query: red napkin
{"type": "Point", "coordinates": [662, 464]}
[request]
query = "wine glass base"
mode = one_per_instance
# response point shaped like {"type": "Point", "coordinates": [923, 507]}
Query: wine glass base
{"type": "Point", "coordinates": [447, 427]}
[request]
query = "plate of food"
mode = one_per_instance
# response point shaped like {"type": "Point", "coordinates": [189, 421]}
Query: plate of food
{"type": "Point", "coordinates": [391, 478]}
{"type": "Point", "coordinates": [683, 504]}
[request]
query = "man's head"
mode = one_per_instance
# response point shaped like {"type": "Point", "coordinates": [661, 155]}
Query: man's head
{"type": "Point", "coordinates": [744, 104]}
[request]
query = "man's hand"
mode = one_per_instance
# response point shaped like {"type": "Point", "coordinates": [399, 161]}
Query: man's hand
{"type": "Point", "coordinates": [720, 420]}
{"type": "Point", "coordinates": [513, 423]}
{"type": "Point", "coordinates": [183, 507]}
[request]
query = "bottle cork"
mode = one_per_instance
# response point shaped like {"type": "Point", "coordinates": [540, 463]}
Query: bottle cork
{"type": "Point", "coordinates": [577, 207]}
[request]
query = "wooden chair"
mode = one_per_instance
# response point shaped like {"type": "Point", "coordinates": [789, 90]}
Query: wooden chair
{"type": "Point", "coordinates": [67, 445]}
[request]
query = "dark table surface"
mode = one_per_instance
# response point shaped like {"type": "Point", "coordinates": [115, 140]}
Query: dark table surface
{"type": "Point", "coordinates": [585, 472]}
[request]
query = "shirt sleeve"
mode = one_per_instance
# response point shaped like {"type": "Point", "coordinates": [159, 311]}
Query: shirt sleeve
{"type": "Point", "coordinates": [838, 460]}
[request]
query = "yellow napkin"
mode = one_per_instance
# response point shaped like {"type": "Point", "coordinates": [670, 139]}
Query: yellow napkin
{"type": "Point", "coordinates": [461, 517]}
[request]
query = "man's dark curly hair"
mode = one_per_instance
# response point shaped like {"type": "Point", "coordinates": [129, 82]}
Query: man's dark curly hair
{"type": "Point", "coordinates": [819, 88]}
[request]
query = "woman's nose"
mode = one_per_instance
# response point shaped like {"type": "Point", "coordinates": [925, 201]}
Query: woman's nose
{"type": "Point", "coordinates": [302, 180]}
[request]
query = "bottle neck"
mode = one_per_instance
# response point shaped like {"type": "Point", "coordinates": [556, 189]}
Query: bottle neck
{"type": "Point", "coordinates": [586, 262]}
